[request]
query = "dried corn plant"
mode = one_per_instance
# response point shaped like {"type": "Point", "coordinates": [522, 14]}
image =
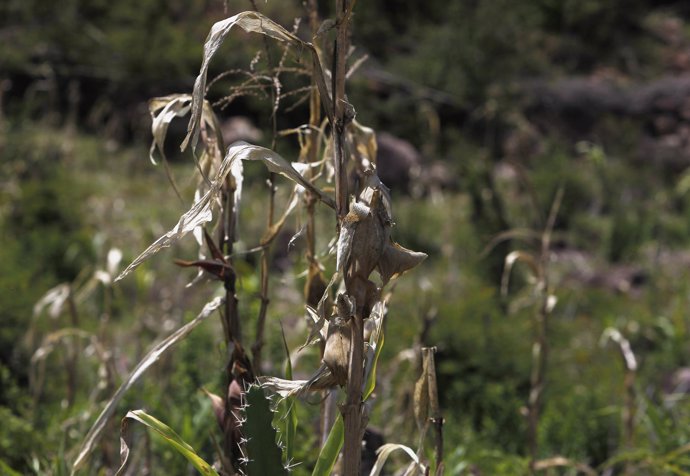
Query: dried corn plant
{"type": "Point", "coordinates": [345, 312]}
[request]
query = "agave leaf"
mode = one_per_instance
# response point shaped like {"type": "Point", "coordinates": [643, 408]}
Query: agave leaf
{"type": "Point", "coordinates": [264, 455]}
{"type": "Point", "coordinates": [331, 449]}
{"type": "Point", "coordinates": [385, 451]}
{"type": "Point", "coordinates": [151, 357]}
{"type": "Point", "coordinates": [169, 436]}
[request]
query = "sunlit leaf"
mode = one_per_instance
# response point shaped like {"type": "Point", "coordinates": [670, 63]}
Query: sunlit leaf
{"type": "Point", "coordinates": [169, 436]}
{"type": "Point", "coordinates": [54, 299]}
{"type": "Point", "coordinates": [385, 451]}
{"type": "Point", "coordinates": [253, 22]}
{"type": "Point", "coordinates": [331, 449]}
{"type": "Point", "coordinates": [151, 357]}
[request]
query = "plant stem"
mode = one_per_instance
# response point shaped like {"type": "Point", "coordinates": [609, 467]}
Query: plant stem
{"type": "Point", "coordinates": [352, 409]}
{"type": "Point", "coordinates": [540, 346]}
{"type": "Point", "coordinates": [261, 322]}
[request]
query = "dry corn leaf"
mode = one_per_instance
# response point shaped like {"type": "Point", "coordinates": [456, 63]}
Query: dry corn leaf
{"type": "Point", "coordinates": [251, 22]}
{"type": "Point", "coordinates": [512, 258]}
{"type": "Point", "coordinates": [421, 399]}
{"type": "Point", "coordinates": [201, 211]}
{"type": "Point", "coordinates": [54, 299]}
{"type": "Point", "coordinates": [151, 357]}
{"type": "Point", "coordinates": [613, 334]}
{"type": "Point", "coordinates": [385, 451]}
{"type": "Point", "coordinates": [364, 141]}
{"type": "Point", "coordinates": [170, 107]}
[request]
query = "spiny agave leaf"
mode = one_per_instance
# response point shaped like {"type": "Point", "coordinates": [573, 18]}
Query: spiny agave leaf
{"type": "Point", "coordinates": [264, 455]}
{"type": "Point", "coordinates": [169, 436]}
{"type": "Point", "coordinates": [512, 258]}
{"type": "Point", "coordinates": [385, 451]}
{"type": "Point", "coordinates": [55, 298]}
{"type": "Point", "coordinates": [331, 449]}
{"type": "Point", "coordinates": [251, 22]}
{"type": "Point", "coordinates": [151, 357]}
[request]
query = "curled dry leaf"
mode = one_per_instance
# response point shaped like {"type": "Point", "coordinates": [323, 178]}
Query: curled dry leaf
{"type": "Point", "coordinates": [54, 299]}
{"type": "Point", "coordinates": [170, 107]}
{"type": "Point", "coordinates": [365, 242]}
{"type": "Point", "coordinates": [385, 451]}
{"type": "Point", "coordinates": [321, 379]}
{"type": "Point", "coordinates": [251, 22]}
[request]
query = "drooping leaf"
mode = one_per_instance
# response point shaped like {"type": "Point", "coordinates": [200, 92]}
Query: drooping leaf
{"type": "Point", "coordinates": [54, 299]}
{"type": "Point", "coordinates": [512, 258]}
{"type": "Point", "coordinates": [263, 454]}
{"type": "Point", "coordinates": [397, 260]}
{"type": "Point", "coordinates": [151, 357]}
{"type": "Point", "coordinates": [202, 210]}
{"type": "Point", "coordinates": [385, 451]}
{"type": "Point", "coordinates": [251, 22]}
{"type": "Point", "coordinates": [170, 107]}
{"type": "Point", "coordinates": [169, 436]}
{"type": "Point", "coordinates": [331, 449]}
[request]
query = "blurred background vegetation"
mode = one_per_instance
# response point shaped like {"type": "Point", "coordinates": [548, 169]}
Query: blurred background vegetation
{"type": "Point", "coordinates": [488, 107]}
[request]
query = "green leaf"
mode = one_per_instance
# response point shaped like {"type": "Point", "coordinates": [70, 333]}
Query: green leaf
{"type": "Point", "coordinates": [371, 378]}
{"type": "Point", "coordinates": [331, 450]}
{"type": "Point", "coordinates": [264, 455]}
{"type": "Point", "coordinates": [168, 434]}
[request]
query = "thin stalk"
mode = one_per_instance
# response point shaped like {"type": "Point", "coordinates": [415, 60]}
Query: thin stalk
{"type": "Point", "coordinates": [540, 346]}
{"type": "Point", "coordinates": [352, 409]}
{"type": "Point", "coordinates": [261, 322]}
{"type": "Point", "coordinates": [72, 353]}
